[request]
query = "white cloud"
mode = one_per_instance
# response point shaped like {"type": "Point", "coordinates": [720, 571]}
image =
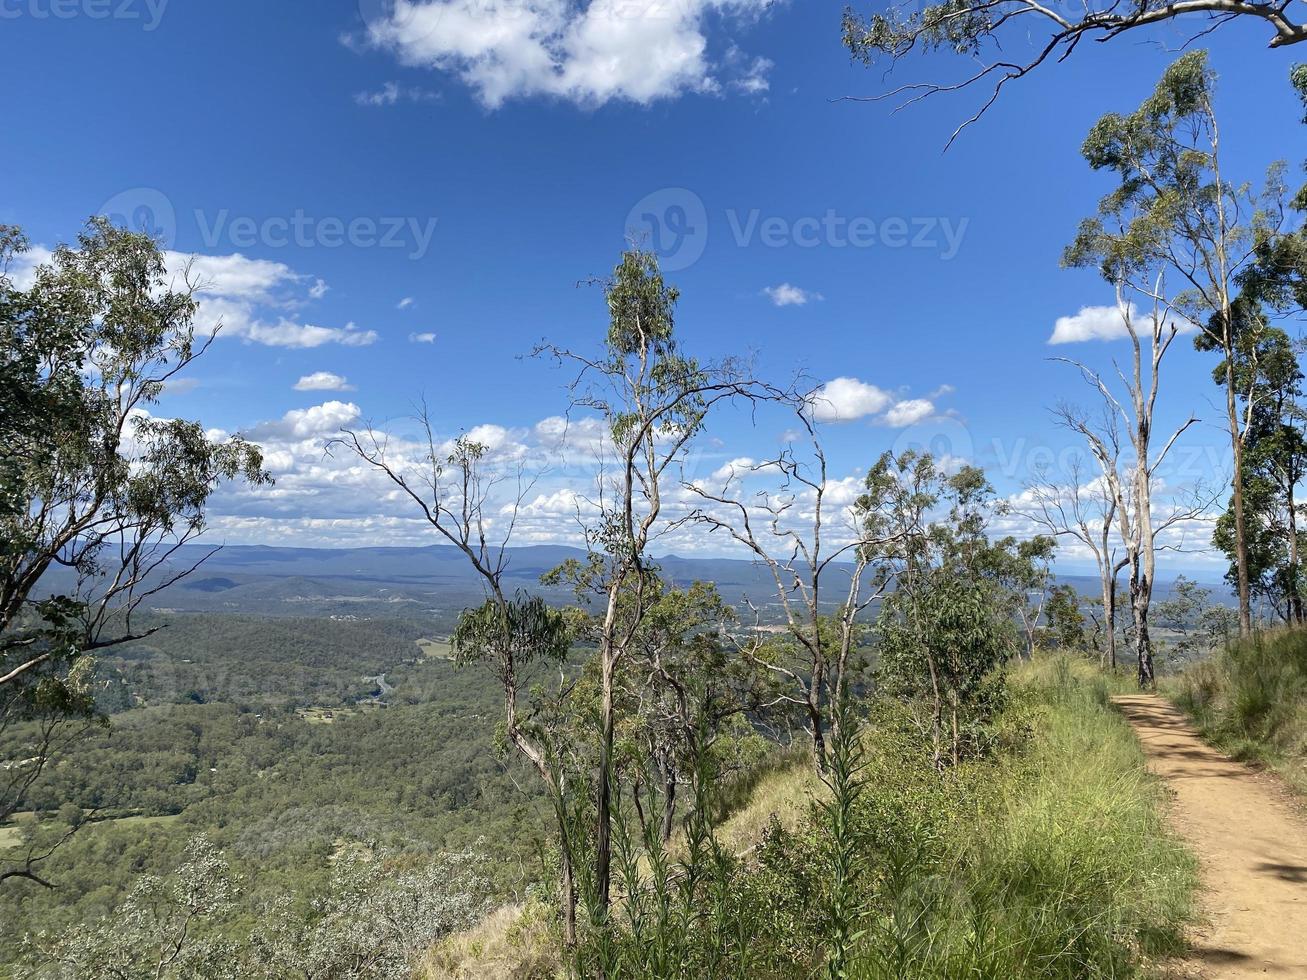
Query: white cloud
{"type": "Point", "coordinates": [587, 52]}
{"type": "Point", "coordinates": [1105, 323]}
{"type": "Point", "coordinates": [22, 268]}
{"type": "Point", "coordinates": [788, 295]}
{"type": "Point", "coordinates": [846, 399]}
{"type": "Point", "coordinates": [752, 79]}
{"type": "Point", "coordinates": [254, 299]}
{"type": "Point", "coordinates": [736, 468]}
{"type": "Point", "coordinates": [307, 423]}
{"type": "Point", "coordinates": [323, 381]}
{"type": "Point", "coordinates": [392, 92]}
{"type": "Point", "coordinates": [229, 275]}
{"type": "Point", "coordinates": [405, 303]}
{"type": "Point", "coordinates": [909, 412]}
{"type": "Point", "coordinates": [422, 338]}
{"type": "Point", "coordinates": [288, 333]}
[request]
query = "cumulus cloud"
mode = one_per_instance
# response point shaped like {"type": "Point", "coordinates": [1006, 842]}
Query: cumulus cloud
{"type": "Point", "coordinates": [422, 338]}
{"type": "Point", "coordinates": [1104, 323]}
{"type": "Point", "coordinates": [909, 412]}
{"type": "Point", "coordinates": [404, 303]}
{"type": "Point", "coordinates": [589, 52]}
{"type": "Point", "coordinates": [308, 423]}
{"type": "Point", "coordinates": [788, 295]}
{"type": "Point", "coordinates": [323, 381]}
{"type": "Point", "coordinates": [229, 275]}
{"type": "Point", "coordinates": [256, 299]}
{"type": "Point", "coordinates": [847, 399]}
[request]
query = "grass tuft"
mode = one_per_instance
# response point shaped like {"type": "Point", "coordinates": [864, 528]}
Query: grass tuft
{"type": "Point", "coordinates": [1251, 700]}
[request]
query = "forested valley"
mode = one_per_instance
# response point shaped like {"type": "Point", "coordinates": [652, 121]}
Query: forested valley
{"type": "Point", "coordinates": [601, 696]}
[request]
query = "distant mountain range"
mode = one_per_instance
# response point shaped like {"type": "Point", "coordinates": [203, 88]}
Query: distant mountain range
{"type": "Point", "coordinates": [429, 582]}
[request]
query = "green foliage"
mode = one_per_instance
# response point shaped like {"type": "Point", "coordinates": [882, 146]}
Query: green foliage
{"type": "Point", "coordinates": [274, 791]}
{"type": "Point", "coordinates": [536, 633]}
{"type": "Point", "coordinates": [1197, 625]}
{"type": "Point", "coordinates": [1065, 629]}
{"type": "Point", "coordinates": [1048, 858]}
{"type": "Point", "coordinates": [158, 932]}
{"type": "Point", "coordinates": [948, 625]}
{"type": "Point", "coordinates": [374, 918]}
{"type": "Point", "coordinates": [89, 480]}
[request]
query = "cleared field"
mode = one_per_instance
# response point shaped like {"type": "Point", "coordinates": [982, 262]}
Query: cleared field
{"type": "Point", "coordinates": [436, 649]}
{"type": "Point", "coordinates": [11, 833]}
{"type": "Point", "coordinates": [324, 716]}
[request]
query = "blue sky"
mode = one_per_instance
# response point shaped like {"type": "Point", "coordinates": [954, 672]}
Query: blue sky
{"type": "Point", "coordinates": [478, 174]}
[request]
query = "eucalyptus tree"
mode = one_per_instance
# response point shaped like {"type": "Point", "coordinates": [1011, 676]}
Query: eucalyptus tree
{"type": "Point", "coordinates": [455, 489]}
{"type": "Point", "coordinates": [654, 399]}
{"type": "Point", "coordinates": [1051, 32]}
{"type": "Point", "coordinates": [1131, 481]}
{"type": "Point", "coordinates": [1023, 570]}
{"type": "Point", "coordinates": [949, 622]}
{"type": "Point", "coordinates": [818, 551]}
{"type": "Point", "coordinates": [1175, 216]}
{"type": "Point", "coordinates": [1278, 279]}
{"type": "Point", "coordinates": [688, 680]}
{"type": "Point", "coordinates": [1270, 383]}
{"type": "Point", "coordinates": [97, 494]}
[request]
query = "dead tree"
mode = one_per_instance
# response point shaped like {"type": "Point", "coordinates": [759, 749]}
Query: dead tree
{"type": "Point", "coordinates": [1131, 488]}
{"type": "Point", "coordinates": [1086, 512]}
{"type": "Point", "coordinates": [453, 488]}
{"type": "Point", "coordinates": [804, 541]}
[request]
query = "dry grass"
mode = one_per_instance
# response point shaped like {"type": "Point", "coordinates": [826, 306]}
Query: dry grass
{"type": "Point", "coordinates": [514, 942]}
{"type": "Point", "coordinates": [786, 792]}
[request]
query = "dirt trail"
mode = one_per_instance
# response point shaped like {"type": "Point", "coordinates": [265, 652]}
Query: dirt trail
{"type": "Point", "coordinates": [1252, 845]}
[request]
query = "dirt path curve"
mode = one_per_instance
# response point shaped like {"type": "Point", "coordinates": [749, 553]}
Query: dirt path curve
{"type": "Point", "coordinates": [1252, 845]}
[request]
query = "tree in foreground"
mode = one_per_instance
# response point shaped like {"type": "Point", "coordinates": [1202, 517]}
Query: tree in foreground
{"type": "Point", "coordinates": [97, 495]}
{"type": "Point", "coordinates": [513, 636]}
{"type": "Point", "coordinates": [654, 400]}
{"type": "Point", "coordinates": [1176, 218]}
{"type": "Point", "coordinates": [950, 621]}
{"type": "Point", "coordinates": [974, 28]}
{"type": "Point", "coordinates": [818, 552]}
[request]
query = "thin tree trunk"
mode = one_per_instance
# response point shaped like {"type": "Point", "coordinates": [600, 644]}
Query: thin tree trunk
{"type": "Point", "coordinates": [1295, 596]}
{"type": "Point", "coordinates": [1240, 527]}
{"type": "Point", "coordinates": [603, 804]}
{"type": "Point", "coordinates": [1140, 594]}
{"type": "Point", "coordinates": [1109, 617]}
{"type": "Point", "coordinates": [669, 803]}
{"type": "Point", "coordinates": [567, 885]}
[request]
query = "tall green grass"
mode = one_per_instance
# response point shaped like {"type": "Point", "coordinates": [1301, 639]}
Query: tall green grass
{"type": "Point", "coordinates": [1063, 866]}
{"type": "Point", "coordinates": [1251, 700]}
{"type": "Point", "coordinates": [1047, 858]}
